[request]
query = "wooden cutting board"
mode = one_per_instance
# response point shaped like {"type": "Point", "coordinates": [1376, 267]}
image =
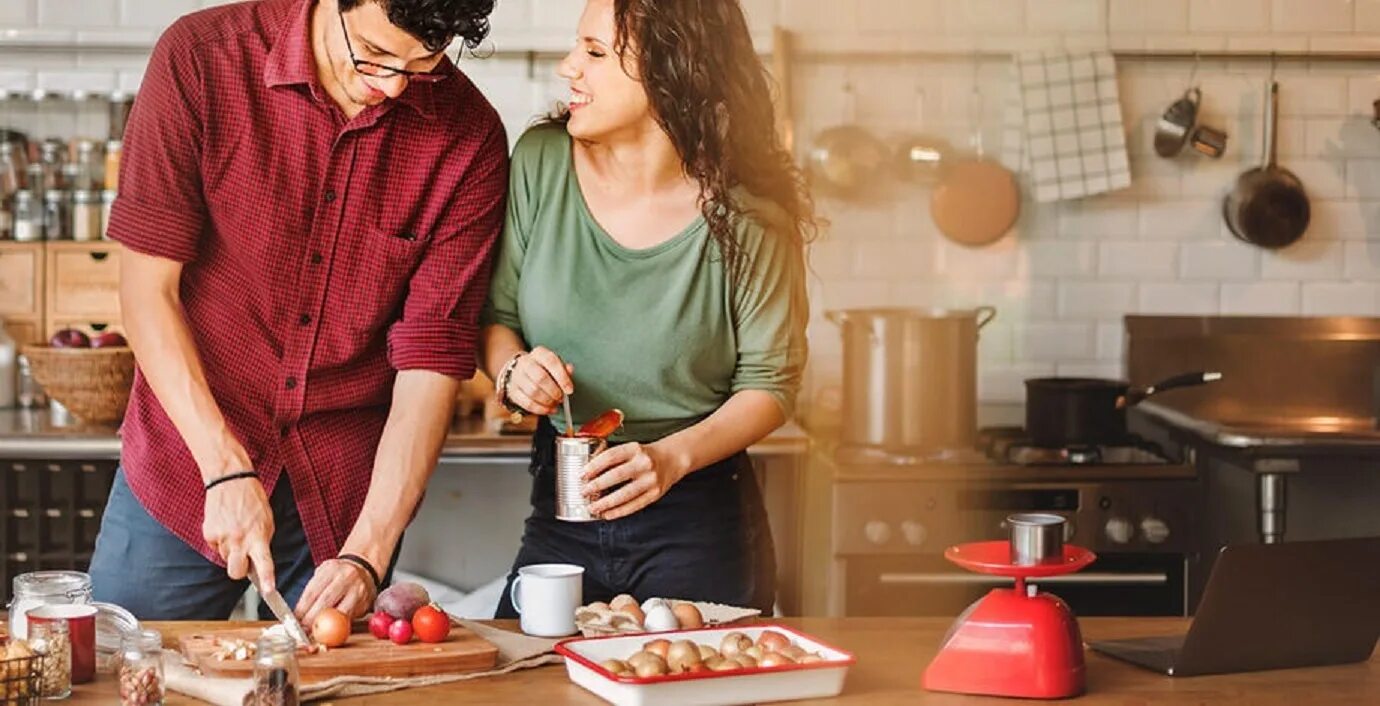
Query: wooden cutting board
{"type": "Point", "coordinates": [362, 656]}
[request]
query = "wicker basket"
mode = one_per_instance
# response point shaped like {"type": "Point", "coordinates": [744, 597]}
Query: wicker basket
{"type": "Point", "coordinates": [92, 383]}
{"type": "Point", "coordinates": [20, 680]}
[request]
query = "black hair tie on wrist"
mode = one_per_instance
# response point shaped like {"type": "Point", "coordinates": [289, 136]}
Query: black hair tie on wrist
{"type": "Point", "coordinates": [364, 563]}
{"type": "Point", "coordinates": [230, 477]}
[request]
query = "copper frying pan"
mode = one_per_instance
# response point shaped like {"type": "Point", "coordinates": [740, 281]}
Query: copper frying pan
{"type": "Point", "coordinates": [978, 201]}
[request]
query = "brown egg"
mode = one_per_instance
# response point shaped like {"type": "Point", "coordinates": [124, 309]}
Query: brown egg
{"type": "Point", "coordinates": [688, 616]}
{"type": "Point", "coordinates": [633, 611]}
{"type": "Point", "coordinates": [622, 599]}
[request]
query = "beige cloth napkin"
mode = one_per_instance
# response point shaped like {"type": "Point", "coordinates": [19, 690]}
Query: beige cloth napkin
{"type": "Point", "coordinates": [515, 651]}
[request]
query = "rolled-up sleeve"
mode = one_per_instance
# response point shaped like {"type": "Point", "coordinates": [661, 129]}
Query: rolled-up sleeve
{"type": "Point", "coordinates": [161, 210]}
{"type": "Point", "coordinates": [439, 328]}
{"type": "Point", "coordinates": [770, 317]}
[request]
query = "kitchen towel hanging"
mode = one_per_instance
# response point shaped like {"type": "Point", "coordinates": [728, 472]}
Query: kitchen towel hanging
{"type": "Point", "coordinates": [1064, 128]}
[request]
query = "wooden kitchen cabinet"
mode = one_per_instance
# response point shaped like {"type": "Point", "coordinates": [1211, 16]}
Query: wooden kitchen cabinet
{"type": "Point", "coordinates": [82, 282]}
{"type": "Point", "coordinates": [21, 277]}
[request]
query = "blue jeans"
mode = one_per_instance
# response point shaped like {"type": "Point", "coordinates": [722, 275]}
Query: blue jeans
{"type": "Point", "coordinates": [707, 539]}
{"type": "Point", "coordinates": [150, 571]}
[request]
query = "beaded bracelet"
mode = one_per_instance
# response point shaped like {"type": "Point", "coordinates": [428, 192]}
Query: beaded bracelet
{"type": "Point", "coordinates": [505, 376]}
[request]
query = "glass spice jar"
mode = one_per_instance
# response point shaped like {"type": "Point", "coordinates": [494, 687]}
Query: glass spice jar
{"type": "Point", "coordinates": [275, 672]}
{"type": "Point", "coordinates": [51, 639]}
{"type": "Point", "coordinates": [141, 669]}
{"type": "Point", "coordinates": [57, 215]}
{"type": "Point", "coordinates": [28, 217]}
{"type": "Point", "coordinates": [86, 215]}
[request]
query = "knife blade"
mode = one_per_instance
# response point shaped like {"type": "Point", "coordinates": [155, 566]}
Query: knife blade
{"type": "Point", "coordinates": [281, 610]}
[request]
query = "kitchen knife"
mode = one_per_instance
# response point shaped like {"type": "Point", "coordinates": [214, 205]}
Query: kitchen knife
{"type": "Point", "coordinates": [281, 610]}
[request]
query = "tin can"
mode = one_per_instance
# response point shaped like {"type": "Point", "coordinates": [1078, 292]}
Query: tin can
{"type": "Point", "coordinates": [572, 453]}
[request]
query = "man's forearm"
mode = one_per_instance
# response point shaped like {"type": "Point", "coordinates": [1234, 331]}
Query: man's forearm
{"type": "Point", "coordinates": [168, 359]}
{"type": "Point", "coordinates": [423, 403]}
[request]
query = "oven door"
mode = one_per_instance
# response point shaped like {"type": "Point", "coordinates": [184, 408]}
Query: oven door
{"type": "Point", "coordinates": [928, 585]}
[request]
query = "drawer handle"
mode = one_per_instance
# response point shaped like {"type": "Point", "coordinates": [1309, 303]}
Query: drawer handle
{"type": "Point", "coordinates": [98, 327]}
{"type": "Point", "coordinates": [99, 255]}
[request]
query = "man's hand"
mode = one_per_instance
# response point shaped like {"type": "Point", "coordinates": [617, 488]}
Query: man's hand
{"type": "Point", "coordinates": [339, 584]}
{"type": "Point", "coordinates": [238, 525]}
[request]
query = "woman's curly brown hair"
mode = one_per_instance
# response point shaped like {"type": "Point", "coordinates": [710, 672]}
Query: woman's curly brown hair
{"type": "Point", "coordinates": [711, 94]}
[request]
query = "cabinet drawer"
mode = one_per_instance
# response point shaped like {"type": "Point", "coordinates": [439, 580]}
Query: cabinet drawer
{"type": "Point", "coordinates": [25, 331]}
{"type": "Point", "coordinates": [21, 275]}
{"type": "Point", "coordinates": [84, 280]}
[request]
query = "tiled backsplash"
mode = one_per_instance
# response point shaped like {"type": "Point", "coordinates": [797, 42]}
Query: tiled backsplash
{"type": "Point", "coordinates": [1064, 277]}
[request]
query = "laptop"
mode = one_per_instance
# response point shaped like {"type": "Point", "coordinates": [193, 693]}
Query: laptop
{"type": "Point", "coordinates": [1273, 606]}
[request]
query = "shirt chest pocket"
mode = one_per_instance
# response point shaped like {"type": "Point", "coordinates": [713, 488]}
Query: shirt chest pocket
{"type": "Point", "coordinates": [371, 282]}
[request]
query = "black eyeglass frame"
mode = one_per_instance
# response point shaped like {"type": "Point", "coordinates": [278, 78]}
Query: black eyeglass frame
{"type": "Point", "coordinates": [381, 70]}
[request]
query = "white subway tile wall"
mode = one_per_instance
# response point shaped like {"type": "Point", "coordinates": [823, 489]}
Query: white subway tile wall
{"type": "Point", "coordinates": [1062, 280]}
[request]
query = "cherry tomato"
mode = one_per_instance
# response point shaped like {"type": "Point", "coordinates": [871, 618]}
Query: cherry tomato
{"type": "Point", "coordinates": [431, 624]}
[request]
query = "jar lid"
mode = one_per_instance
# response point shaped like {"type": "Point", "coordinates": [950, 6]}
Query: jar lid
{"type": "Point", "coordinates": [55, 195]}
{"type": "Point", "coordinates": [52, 583]}
{"type": "Point", "coordinates": [86, 196]}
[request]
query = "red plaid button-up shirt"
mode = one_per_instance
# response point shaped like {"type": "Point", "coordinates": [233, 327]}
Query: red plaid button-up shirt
{"type": "Point", "coordinates": [321, 254]}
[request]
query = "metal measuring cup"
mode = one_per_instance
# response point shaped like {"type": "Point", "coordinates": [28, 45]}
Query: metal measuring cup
{"type": "Point", "coordinates": [1036, 538]}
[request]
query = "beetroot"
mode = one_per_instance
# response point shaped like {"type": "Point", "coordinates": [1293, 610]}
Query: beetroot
{"type": "Point", "coordinates": [401, 600]}
{"type": "Point", "coordinates": [69, 338]}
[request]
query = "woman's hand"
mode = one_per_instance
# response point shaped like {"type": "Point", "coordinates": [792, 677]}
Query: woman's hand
{"type": "Point", "coordinates": [649, 471]}
{"type": "Point", "coordinates": [539, 381]}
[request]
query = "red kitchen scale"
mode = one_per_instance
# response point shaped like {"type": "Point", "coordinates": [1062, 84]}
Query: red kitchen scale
{"type": "Point", "coordinates": [1014, 641]}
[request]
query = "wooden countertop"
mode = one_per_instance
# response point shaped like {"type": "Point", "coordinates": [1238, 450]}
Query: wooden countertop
{"type": "Point", "coordinates": [32, 435]}
{"type": "Point", "coordinates": [892, 654]}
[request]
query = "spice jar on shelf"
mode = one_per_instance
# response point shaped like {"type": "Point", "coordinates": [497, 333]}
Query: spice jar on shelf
{"type": "Point", "coordinates": [28, 217]}
{"type": "Point", "coordinates": [57, 214]}
{"type": "Point", "coordinates": [86, 215]}
{"type": "Point", "coordinates": [141, 669]}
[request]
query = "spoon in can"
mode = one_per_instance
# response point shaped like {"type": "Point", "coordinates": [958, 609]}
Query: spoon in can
{"type": "Point", "coordinates": [569, 423]}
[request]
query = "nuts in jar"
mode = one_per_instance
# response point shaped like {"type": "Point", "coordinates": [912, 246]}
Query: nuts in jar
{"type": "Point", "coordinates": [51, 639]}
{"type": "Point", "coordinates": [140, 686]}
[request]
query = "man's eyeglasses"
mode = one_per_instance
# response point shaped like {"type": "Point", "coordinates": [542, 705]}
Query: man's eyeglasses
{"type": "Point", "coordinates": [369, 68]}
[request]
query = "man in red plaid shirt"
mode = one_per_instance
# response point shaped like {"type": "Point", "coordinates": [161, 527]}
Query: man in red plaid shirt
{"type": "Point", "coordinates": [311, 192]}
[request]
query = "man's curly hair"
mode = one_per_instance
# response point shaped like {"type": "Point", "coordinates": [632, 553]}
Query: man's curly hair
{"type": "Point", "coordinates": [436, 22]}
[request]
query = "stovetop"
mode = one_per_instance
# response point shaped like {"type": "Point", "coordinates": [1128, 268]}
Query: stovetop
{"type": "Point", "coordinates": [1008, 453]}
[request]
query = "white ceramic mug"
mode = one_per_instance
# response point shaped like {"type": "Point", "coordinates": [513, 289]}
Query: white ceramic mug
{"type": "Point", "coordinates": [550, 593]}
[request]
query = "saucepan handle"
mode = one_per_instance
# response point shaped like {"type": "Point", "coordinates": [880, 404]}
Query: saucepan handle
{"type": "Point", "coordinates": [985, 314]}
{"type": "Point", "coordinates": [1135, 395]}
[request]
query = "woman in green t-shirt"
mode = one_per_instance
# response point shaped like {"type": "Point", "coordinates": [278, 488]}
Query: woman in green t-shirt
{"type": "Point", "coordinates": [652, 262]}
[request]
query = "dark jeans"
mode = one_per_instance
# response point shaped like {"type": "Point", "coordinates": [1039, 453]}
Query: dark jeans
{"type": "Point", "coordinates": [707, 539]}
{"type": "Point", "coordinates": [142, 566]}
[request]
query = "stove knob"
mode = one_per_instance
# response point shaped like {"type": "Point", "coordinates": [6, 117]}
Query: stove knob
{"type": "Point", "coordinates": [877, 532]}
{"type": "Point", "coordinates": [1119, 530]}
{"type": "Point", "coordinates": [914, 532]}
{"type": "Point", "coordinates": [1154, 529]}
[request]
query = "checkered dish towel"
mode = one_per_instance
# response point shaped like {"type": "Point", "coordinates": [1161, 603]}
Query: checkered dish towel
{"type": "Point", "coordinates": [1063, 127]}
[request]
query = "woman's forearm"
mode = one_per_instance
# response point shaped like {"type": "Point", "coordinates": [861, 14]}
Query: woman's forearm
{"type": "Point", "coordinates": [746, 418]}
{"type": "Point", "coordinates": [497, 345]}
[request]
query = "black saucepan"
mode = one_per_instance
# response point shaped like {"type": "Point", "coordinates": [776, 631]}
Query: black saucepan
{"type": "Point", "coordinates": [1062, 412]}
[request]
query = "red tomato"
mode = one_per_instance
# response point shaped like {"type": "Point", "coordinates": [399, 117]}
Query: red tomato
{"type": "Point", "coordinates": [430, 624]}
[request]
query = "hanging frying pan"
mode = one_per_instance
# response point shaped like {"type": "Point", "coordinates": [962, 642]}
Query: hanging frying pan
{"type": "Point", "coordinates": [977, 201]}
{"type": "Point", "coordinates": [1268, 207]}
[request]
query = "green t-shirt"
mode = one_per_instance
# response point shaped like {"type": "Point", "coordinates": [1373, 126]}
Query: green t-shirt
{"type": "Point", "coordinates": [659, 332]}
